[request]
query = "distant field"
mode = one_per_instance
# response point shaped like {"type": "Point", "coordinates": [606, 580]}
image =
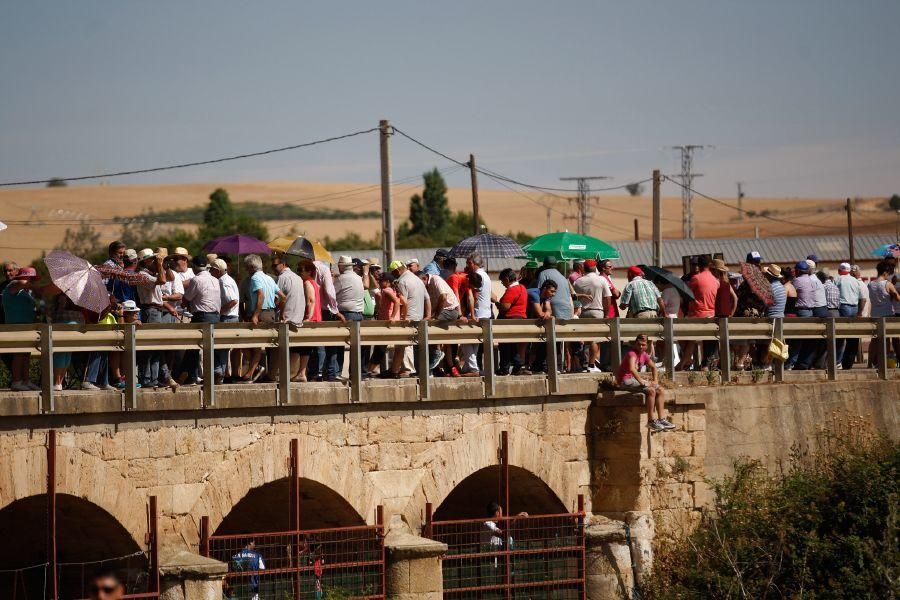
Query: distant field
{"type": "Point", "coordinates": [38, 217]}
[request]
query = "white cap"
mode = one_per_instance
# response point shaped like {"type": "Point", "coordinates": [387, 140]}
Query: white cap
{"type": "Point", "coordinates": [844, 267]}
{"type": "Point", "coordinates": [345, 260]}
{"type": "Point", "coordinates": [130, 306]}
{"type": "Point", "coordinates": [811, 263]}
{"type": "Point", "coordinates": [412, 261]}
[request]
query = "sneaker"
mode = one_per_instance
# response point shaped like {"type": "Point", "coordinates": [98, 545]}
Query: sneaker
{"type": "Point", "coordinates": [665, 424]}
{"type": "Point", "coordinates": [87, 385]}
{"type": "Point", "coordinates": [654, 426]}
{"type": "Point", "coordinates": [109, 388]}
{"type": "Point", "coordinates": [57, 387]}
{"type": "Point", "coordinates": [594, 369]}
{"type": "Point", "coordinates": [436, 359]}
{"type": "Point", "coordinates": [33, 386]}
{"type": "Point", "coordinates": [19, 386]}
{"type": "Point", "coordinates": [260, 371]}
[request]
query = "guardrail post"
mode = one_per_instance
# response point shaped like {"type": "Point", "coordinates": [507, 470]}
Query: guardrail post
{"type": "Point", "coordinates": [882, 341]}
{"type": "Point", "coordinates": [130, 364]}
{"type": "Point", "coordinates": [615, 344]}
{"type": "Point", "coordinates": [669, 343]}
{"type": "Point", "coordinates": [204, 536]}
{"type": "Point", "coordinates": [284, 363]}
{"type": "Point", "coordinates": [424, 360]}
{"type": "Point", "coordinates": [724, 351]}
{"type": "Point", "coordinates": [48, 403]}
{"type": "Point", "coordinates": [207, 356]}
{"type": "Point", "coordinates": [552, 356]}
{"type": "Point", "coordinates": [830, 350]}
{"type": "Point", "coordinates": [489, 369]}
{"type": "Point", "coordinates": [778, 332]}
{"type": "Point", "coordinates": [355, 371]}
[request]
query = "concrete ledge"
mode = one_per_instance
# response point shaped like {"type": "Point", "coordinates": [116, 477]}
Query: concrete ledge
{"type": "Point", "coordinates": [603, 530]}
{"type": "Point", "coordinates": [390, 390]}
{"type": "Point", "coordinates": [166, 399]}
{"type": "Point", "coordinates": [318, 394]}
{"type": "Point", "coordinates": [580, 383]}
{"type": "Point", "coordinates": [19, 404]}
{"type": "Point", "coordinates": [453, 388]}
{"type": "Point", "coordinates": [182, 564]}
{"type": "Point", "coordinates": [408, 546]}
{"type": "Point", "coordinates": [246, 395]}
{"type": "Point", "coordinates": [522, 386]}
{"type": "Point", "coordinates": [77, 402]}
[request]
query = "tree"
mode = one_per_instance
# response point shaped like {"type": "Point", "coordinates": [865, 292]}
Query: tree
{"type": "Point", "coordinates": [430, 212]}
{"type": "Point", "coordinates": [894, 202]}
{"type": "Point", "coordinates": [84, 242]}
{"type": "Point", "coordinates": [634, 189]}
{"type": "Point", "coordinates": [220, 218]}
{"type": "Point", "coordinates": [56, 182]}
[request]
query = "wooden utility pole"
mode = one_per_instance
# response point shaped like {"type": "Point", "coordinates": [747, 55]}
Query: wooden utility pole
{"type": "Point", "coordinates": [657, 218]}
{"type": "Point", "coordinates": [387, 204]}
{"type": "Point", "coordinates": [637, 235]}
{"type": "Point", "coordinates": [849, 210]}
{"type": "Point", "coordinates": [740, 200]}
{"type": "Point", "coordinates": [474, 175]}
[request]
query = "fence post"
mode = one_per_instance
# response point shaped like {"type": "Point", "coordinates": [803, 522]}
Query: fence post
{"type": "Point", "coordinates": [48, 403]}
{"type": "Point", "coordinates": [615, 344]}
{"type": "Point", "coordinates": [669, 343]}
{"type": "Point", "coordinates": [489, 369]}
{"type": "Point", "coordinates": [154, 545]}
{"type": "Point", "coordinates": [51, 513]}
{"type": "Point", "coordinates": [131, 369]}
{"type": "Point", "coordinates": [204, 536]}
{"type": "Point", "coordinates": [882, 347]}
{"type": "Point", "coordinates": [424, 360]}
{"type": "Point", "coordinates": [830, 350]}
{"type": "Point", "coordinates": [284, 363]}
{"type": "Point", "coordinates": [355, 371]}
{"type": "Point", "coordinates": [428, 518]}
{"type": "Point", "coordinates": [724, 351]}
{"type": "Point", "coordinates": [207, 355]}
{"type": "Point", "coordinates": [552, 364]}
{"type": "Point", "coordinates": [778, 332]}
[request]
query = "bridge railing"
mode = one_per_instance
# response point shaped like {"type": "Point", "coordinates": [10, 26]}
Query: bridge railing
{"type": "Point", "coordinates": [45, 340]}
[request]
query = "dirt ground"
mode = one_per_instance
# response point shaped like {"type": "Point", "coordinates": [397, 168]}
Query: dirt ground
{"type": "Point", "coordinates": [38, 217]}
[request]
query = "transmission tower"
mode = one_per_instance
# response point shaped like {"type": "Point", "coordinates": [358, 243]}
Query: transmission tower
{"type": "Point", "coordinates": [687, 180]}
{"type": "Point", "coordinates": [584, 201]}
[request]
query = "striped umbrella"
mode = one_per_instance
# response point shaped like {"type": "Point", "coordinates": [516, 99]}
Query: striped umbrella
{"type": "Point", "coordinates": [488, 245]}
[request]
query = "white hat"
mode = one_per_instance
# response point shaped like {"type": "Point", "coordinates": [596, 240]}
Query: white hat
{"type": "Point", "coordinates": [412, 261]}
{"type": "Point", "coordinates": [145, 254]}
{"type": "Point", "coordinates": [844, 267]}
{"type": "Point", "coordinates": [131, 254]}
{"type": "Point", "coordinates": [811, 263]}
{"type": "Point", "coordinates": [345, 260]}
{"type": "Point", "coordinates": [130, 306]}
{"type": "Point", "coordinates": [220, 265]}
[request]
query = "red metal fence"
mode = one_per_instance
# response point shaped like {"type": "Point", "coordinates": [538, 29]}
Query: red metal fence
{"type": "Point", "coordinates": [343, 562]}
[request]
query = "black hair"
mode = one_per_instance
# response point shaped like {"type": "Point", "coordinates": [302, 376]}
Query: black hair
{"type": "Point", "coordinates": [507, 274]}
{"type": "Point", "coordinates": [884, 267]}
{"type": "Point", "coordinates": [492, 508]}
{"type": "Point", "coordinates": [549, 283]}
{"type": "Point", "coordinates": [116, 246]}
{"type": "Point", "coordinates": [475, 280]}
{"type": "Point", "coordinates": [704, 261]}
{"type": "Point", "coordinates": [449, 263]}
{"type": "Point", "coordinates": [108, 573]}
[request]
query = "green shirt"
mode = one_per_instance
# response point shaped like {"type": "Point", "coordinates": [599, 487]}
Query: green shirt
{"type": "Point", "coordinates": [640, 295]}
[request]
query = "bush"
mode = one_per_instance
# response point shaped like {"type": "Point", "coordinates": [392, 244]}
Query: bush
{"type": "Point", "coordinates": [825, 526]}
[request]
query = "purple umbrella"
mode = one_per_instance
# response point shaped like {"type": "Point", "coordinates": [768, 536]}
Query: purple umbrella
{"type": "Point", "coordinates": [237, 244]}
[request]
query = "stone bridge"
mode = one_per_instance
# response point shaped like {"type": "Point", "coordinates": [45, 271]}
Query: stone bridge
{"type": "Point", "coordinates": [230, 462]}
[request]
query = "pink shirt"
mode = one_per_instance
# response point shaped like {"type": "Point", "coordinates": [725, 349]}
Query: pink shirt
{"type": "Point", "coordinates": [624, 373]}
{"type": "Point", "coordinates": [705, 287]}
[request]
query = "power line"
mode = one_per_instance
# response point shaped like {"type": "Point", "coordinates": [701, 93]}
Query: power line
{"type": "Point", "coordinates": [194, 164]}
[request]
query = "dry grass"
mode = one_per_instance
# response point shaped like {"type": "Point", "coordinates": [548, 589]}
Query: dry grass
{"type": "Point", "coordinates": [502, 210]}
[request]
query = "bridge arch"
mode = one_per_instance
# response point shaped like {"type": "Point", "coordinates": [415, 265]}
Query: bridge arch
{"type": "Point", "coordinates": [81, 476]}
{"type": "Point", "coordinates": [326, 471]}
{"type": "Point", "coordinates": [473, 455]}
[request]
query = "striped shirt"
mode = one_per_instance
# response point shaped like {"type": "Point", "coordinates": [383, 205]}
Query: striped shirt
{"type": "Point", "coordinates": [832, 295]}
{"type": "Point", "coordinates": [780, 299]}
{"type": "Point", "coordinates": [640, 295]}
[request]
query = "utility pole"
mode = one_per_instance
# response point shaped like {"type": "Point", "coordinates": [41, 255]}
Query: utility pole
{"type": "Point", "coordinates": [849, 210]}
{"type": "Point", "coordinates": [637, 235]}
{"type": "Point", "coordinates": [387, 204]}
{"type": "Point", "coordinates": [687, 181]}
{"type": "Point", "coordinates": [657, 221]}
{"type": "Point", "coordinates": [740, 200]}
{"type": "Point", "coordinates": [474, 174]}
{"type": "Point", "coordinates": [584, 201]}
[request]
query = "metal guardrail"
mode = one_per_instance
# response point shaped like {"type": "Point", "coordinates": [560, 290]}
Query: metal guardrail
{"type": "Point", "coordinates": [44, 340]}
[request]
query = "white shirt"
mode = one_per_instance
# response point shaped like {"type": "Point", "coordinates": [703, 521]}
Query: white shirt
{"type": "Point", "coordinates": [189, 274]}
{"type": "Point", "coordinates": [414, 291]}
{"type": "Point", "coordinates": [594, 285]}
{"type": "Point", "coordinates": [864, 295]}
{"type": "Point", "coordinates": [483, 298]}
{"type": "Point", "coordinates": [437, 287]}
{"type": "Point", "coordinates": [291, 285]}
{"type": "Point", "coordinates": [150, 294]}
{"type": "Point", "coordinates": [203, 293]}
{"type": "Point", "coordinates": [228, 289]}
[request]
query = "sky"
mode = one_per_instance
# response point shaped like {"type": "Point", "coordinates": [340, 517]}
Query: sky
{"type": "Point", "coordinates": [798, 98]}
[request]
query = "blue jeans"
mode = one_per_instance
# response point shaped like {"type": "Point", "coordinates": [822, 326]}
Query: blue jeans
{"type": "Point", "coordinates": [331, 368]}
{"type": "Point", "coordinates": [809, 350]}
{"type": "Point", "coordinates": [151, 365]}
{"type": "Point", "coordinates": [847, 349]}
{"type": "Point", "coordinates": [96, 371]}
{"type": "Point", "coordinates": [350, 316]}
{"type": "Point", "coordinates": [221, 356]}
{"type": "Point", "coordinates": [192, 358]}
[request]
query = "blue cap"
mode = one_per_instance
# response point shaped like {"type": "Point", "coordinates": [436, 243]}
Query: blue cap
{"type": "Point", "coordinates": [802, 266]}
{"type": "Point", "coordinates": [813, 258]}
{"type": "Point", "coordinates": [754, 257]}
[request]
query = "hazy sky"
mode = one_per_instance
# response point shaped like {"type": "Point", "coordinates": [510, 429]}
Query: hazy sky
{"type": "Point", "coordinates": [799, 98]}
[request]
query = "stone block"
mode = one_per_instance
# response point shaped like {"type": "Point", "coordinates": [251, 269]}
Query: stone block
{"type": "Point", "coordinates": [621, 498]}
{"type": "Point", "coordinates": [672, 495]}
{"type": "Point", "coordinates": [90, 443]}
{"type": "Point", "coordinates": [137, 443]}
{"type": "Point", "coordinates": [384, 429]}
{"type": "Point", "coordinates": [17, 404]}
{"type": "Point", "coordinates": [215, 438]}
{"type": "Point", "coordinates": [434, 427]}
{"type": "Point", "coordinates": [357, 431]}
{"type": "Point", "coordinates": [671, 443]}
{"type": "Point", "coordinates": [79, 402]}
{"type": "Point", "coordinates": [336, 432]}
{"type": "Point", "coordinates": [162, 442]}
{"type": "Point", "coordinates": [164, 495]}
{"type": "Point", "coordinates": [165, 399]}
{"type": "Point", "coordinates": [112, 447]}
{"type": "Point", "coordinates": [287, 427]}
{"type": "Point", "coordinates": [703, 495]}
{"type": "Point", "coordinates": [142, 472]}
{"type": "Point", "coordinates": [201, 465]}
{"type": "Point", "coordinates": [521, 387]}
{"type": "Point", "coordinates": [457, 389]}
{"type": "Point", "coordinates": [390, 391]}
{"type": "Point", "coordinates": [368, 457]}
{"type": "Point", "coordinates": [568, 447]}
{"type": "Point", "coordinates": [188, 440]}
{"type": "Point", "coordinates": [699, 444]}
{"type": "Point", "coordinates": [241, 436]}
{"type": "Point", "coordinates": [170, 471]}
{"type": "Point", "coordinates": [185, 496]}
{"type": "Point", "coordinates": [412, 429]}
{"type": "Point", "coordinates": [319, 394]}
{"type": "Point", "coordinates": [246, 396]}
{"type": "Point", "coordinates": [453, 426]}
{"type": "Point", "coordinates": [695, 420]}
{"type": "Point", "coordinates": [393, 456]}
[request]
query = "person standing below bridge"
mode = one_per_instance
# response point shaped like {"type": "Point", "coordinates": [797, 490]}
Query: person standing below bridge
{"type": "Point", "coordinates": [249, 560]}
{"type": "Point", "coordinates": [106, 585]}
{"type": "Point", "coordinates": [630, 376]}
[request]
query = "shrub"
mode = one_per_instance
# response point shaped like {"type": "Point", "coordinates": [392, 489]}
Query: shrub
{"type": "Point", "coordinates": [824, 526]}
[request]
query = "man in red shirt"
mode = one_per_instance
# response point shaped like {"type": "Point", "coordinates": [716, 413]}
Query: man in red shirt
{"type": "Point", "coordinates": [512, 305]}
{"type": "Point", "coordinates": [705, 287]}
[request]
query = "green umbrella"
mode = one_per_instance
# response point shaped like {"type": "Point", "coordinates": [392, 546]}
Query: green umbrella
{"type": "Point", "coordinates": [568, 246]}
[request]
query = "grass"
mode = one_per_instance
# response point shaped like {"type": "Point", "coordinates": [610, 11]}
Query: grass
{"type": "Point", "coordinates": [263, 211]}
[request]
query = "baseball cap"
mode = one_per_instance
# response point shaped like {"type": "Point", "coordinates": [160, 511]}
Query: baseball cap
{"type": "Point", "coordinates": [590, 262]}
{"type": "Point", "coordinates": [754, 257]}
{"type": "Point", "coordinates": [813, 258]}
{"type": "Point", "coordinates": [412, 261]}
{"type": "Point", "coordinates": [635, 271]}
{"type": "Point", "coordinates": [802, 266]}
{"type": "Point", "coordinates": [130, 306]}
{"type": "Point", "coordinates": [442, 253]}
{"type": "Point", "coordinates": [395, 264]}
{"type": "Point", "coordinates": [199, 262]}
{"type": "Point", "coordinates": [131, 254]}
{"type": "Point", "coordinates": [845, 267]}
{"type": "Point", "coordinates": [811, 263]}
{"type": "Point", "coordinates": [220, 265]}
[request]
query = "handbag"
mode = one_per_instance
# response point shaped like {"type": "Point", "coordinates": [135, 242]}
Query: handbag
{"type": "Point", "coordinates": [778, 349]}
{"type": "Point", "coordinates": [368, 304]}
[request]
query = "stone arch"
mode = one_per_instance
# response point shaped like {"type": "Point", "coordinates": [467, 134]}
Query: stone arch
{"type": "Point", "coordinates": [267, 461]}
{"type": "Point", "coordinates": [80, 475]}
{"type": "Point", "coordinates": [452, 462]}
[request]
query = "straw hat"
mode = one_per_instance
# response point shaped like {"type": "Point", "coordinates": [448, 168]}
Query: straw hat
{"type": "Point", "coordinates": [181, 252]}
{"type": "Point", "coordinates": [772, 271]}
{"type": "Point", "coordinates": [147, 253]}
{"type": "Point", "coordinates": [718, 265]}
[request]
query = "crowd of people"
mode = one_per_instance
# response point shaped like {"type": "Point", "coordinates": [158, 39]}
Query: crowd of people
{"type": "Point", "coordinates": [155, 286]}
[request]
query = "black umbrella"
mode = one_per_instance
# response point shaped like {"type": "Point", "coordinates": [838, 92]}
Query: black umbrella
{"type": "Point", "coordinates": [488, 245]}
{"type": "Point", "coordinates": [303, 248]}
{"type": "Point", "coordinates": [665, 276]}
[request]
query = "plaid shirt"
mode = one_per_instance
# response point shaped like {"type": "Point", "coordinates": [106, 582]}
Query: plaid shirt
{"type": "Point", "coordinates": [640, 295]}
{"type": "Point", "coordinates": [832, 295]}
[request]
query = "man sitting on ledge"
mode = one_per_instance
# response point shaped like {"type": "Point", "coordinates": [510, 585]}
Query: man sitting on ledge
{"type": "Point", "coordinates": [630, 377]}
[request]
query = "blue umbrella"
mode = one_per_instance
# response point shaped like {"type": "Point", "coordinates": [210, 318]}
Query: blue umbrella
{"type": "Point", "coordinates": [887, 250]}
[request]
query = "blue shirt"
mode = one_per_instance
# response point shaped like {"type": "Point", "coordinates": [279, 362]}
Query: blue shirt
{"type": "Point", "coordinates": [261, 281]}
{"type": "Point", "coordinates": [432, 268]}
{"type": "Point", "coordinates": [780, 296]}
{"type": "Point", "coordinates": [561, 303]}
{"type": "Point", "coordinates": [18, 307]}
{"type": "Point", "coordinates": [250, 560]}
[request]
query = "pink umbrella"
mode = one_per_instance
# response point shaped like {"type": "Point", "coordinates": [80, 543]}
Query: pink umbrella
{"type": "Point", "coordinates": [78, 280]}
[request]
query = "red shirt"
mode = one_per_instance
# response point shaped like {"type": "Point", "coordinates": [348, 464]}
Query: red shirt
{"type": "Point", "coordinates": [724, 301]}
{"type": "Point", "coordinates": [705, 287]}
{"type": "Point", "coordinates": [517, 298]}
{"type": "Point", "coordinates": [624, 372]}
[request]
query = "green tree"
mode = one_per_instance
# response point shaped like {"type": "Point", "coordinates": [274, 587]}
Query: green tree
{"type": "Point", "coordinates": [430, 212]}
{"type": "Point", "coordinates": [220, 218]}
{"type": "Point", "coordinates": [894, 202]}
{"type": "Point", "coordinates": [84, 242]}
